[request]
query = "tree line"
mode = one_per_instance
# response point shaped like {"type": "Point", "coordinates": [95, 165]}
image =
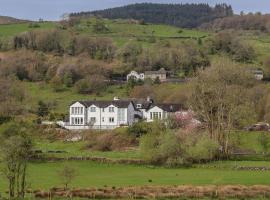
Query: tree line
{"type": "Point", "coordinates": [181, 15]}
{"type": "Point", "coordinates": [249, 21]}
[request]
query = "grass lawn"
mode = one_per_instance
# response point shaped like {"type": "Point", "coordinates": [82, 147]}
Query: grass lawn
{"type": "Point", "coordinates": [90, 174]}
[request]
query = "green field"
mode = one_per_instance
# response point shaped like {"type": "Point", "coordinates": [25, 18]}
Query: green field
{"type": "Point", "coordinates": [64, 98]}
{"type": "Point", "coordinates": [13, 29]}
{"type": "Point", "coordinates": [79, 149]}
{"type": "Point", "coordinates": [89, 174]}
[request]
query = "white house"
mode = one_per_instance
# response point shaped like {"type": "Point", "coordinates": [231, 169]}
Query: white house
{"type": "Point", "coordinates": [160, 111]}
{"type": "Point", "coordinates": [116, 113]}
{"type": "Point", "coordinates": [135, 76]}
{"type": "Point", "coordinates": [101, 114]}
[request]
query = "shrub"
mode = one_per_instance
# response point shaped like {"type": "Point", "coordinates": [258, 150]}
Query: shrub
{"type": "Point", "coordinates": [139, 129]}
{"type": "Point", "coordinates": [111, 141]}
{"type": "Point", "coordinates": [201, 148]}
{"type": "Point", "coordinates": [91, 84]}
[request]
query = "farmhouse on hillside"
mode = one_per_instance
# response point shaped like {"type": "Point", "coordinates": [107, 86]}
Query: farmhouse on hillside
{"type": "Point", "coordinates": [153, 75]}
{"type": "Point", "coordinates": [160, 74]}
{"type": "Point", "coordinates": [135, 76]}
{"type": "Point", "coordinates": [113, 114]}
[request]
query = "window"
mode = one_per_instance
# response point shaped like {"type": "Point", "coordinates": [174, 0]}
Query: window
{"type": "Point", "coordinates": [121, 115]}
{"type": "Point", "coordinates": [111, 109]}
{"type": "Point", "coordinates": [77, 121]}
{"type": "Point", "coordinates": [77, 110]}
{"type": "Point", "coordinates": [139, 105]}
{"type": "Point", "coordinates": [93, 109]}
{"type": "Point", "coordinates": [155, 115]}
{"type": "Point", "coordinates": [103, 109]}
{"type": "Point", "coordinates": [103, 119]}
{"type": "Point", "coordinates": [93, 120]}
{"type": "Point", "coordinates": [111, 119]}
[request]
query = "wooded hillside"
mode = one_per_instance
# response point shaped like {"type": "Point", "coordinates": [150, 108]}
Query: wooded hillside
{"type": "Point", "coordinates": [241, 22]}
{"type": "Point", "coordinates": [181, 15]}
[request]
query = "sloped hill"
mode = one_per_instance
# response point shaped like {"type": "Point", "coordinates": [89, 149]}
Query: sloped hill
{"type": "Point", "coordinates": [10, 20]}
{"type": "Point", "coordinates": [181, 15]}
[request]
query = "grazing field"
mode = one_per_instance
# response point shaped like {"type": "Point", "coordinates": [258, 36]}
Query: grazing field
{"type": "Point", "coordinates": [128, 28]}
{"type": "Point", "coordinates": [63, 99]}
{"type": "Point", "coordinates": [78, 149]}
{"type": "Point", "coordinates": [90, 174]}
{"type": "Point", "coordinates": [13, 29]}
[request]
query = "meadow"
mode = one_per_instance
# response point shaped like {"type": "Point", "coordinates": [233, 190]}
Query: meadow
{"type": "Point", "coordinates": [91, 174]}
{"type": "Point", "coordinates": [9, 30]}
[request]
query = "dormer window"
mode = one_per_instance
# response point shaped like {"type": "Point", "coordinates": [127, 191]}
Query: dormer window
{"type": "Point", "coordinates": [93, 109]}
{"type": "Point", "coordinates": [139, 106]}
{"type": "Point", "coordinates": [111, 109]}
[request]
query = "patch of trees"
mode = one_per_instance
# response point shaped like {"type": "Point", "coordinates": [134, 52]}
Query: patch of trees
{"type": "Point", "coordinates": [15, 153]}
{"type": "Point", "coordinates": [240, 22]}
{"type": "Point", "coordinates": [223, 98]}
{"type": "Point", "coordinates": [182, 15]}
{"type": "Point", "coordinates": [186, 57]}
{"type": "Point", "coordinates": [11, 99]}
{"type": "Point", "coordinates": [60, 72]}
{"type": "Point", "coordinates": [58, 42]}
{"type": "Point", "coordinates": [230, 43]}
{"type": "Point", "coordinates": [161, 146]}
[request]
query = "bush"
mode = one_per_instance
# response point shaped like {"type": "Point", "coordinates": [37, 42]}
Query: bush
{"type": "Point", "coordinates": [111, 141]}
{"type": "Point", "coordinates": [139, 129]}
{"type": "Point", "coordinates": [201, 148]}
{"type": "Point", "coordinates": [159, 146]}
{"type": "Point", "coordinates": [91, 84]}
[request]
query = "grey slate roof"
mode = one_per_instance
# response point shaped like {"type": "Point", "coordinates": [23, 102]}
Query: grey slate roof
{"type": "Point", "coordinates": [105, 104]}
{"type": "Point", "coordinates": [168, 107]}
{"type": "Point", "coordinates": [147, 105]}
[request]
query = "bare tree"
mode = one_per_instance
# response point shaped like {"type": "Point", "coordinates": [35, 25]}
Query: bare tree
{"type": "Point", "coordinates": [15, 155]}
{"type": "Point", "coordinates": [67, 175]}
{"type": "Point", "coordinates": [221, 100]}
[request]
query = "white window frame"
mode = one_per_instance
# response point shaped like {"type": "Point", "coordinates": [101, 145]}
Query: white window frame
{"type": "Point", "coordinates": [93, 109]}
{"type": "Point", "coordinates": [111, 109]}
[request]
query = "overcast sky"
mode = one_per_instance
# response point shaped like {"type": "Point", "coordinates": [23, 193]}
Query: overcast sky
{"type": "Point", "coordinates": [53, 9]}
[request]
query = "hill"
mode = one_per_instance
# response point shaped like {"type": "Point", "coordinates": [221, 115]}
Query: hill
{"type": "Point", "coordinates": [10, 20]}
{"type": "Point", "coordinates": [181, 15]}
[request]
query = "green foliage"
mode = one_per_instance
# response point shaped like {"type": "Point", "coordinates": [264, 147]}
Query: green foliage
{"type": "Point", "coordinates": [185, 15]}
{"type": "Point", "coordinates": [43, 109]}
{"type": "Point", "coordinates": [91, 84]}
{"type": "Point", "coordinates": [201, 148]}
{"type": "Point", "coordinates": [68, 80]}
{"type": "Point", "coordinates": [100, 27]}
{"type": "Point", "coordinates": [139, 129]}
{"type": "Point", "coordinates": [264, 141]}
{"type": "Point", "coordinates": [159, 146]}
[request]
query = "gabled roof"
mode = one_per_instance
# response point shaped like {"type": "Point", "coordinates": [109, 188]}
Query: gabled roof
{"type": "Point", "coordinates": [168, 107]}
{"type": "Point", "coordinates": [105, 104]}
{"type": "Point", "coordinates": [145, 104]}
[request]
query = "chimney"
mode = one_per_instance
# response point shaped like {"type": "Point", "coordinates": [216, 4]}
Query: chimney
{"type": "Point", "coordinates": [116, 98]}
{"type": "Point", "coordinates": [149, 100]}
